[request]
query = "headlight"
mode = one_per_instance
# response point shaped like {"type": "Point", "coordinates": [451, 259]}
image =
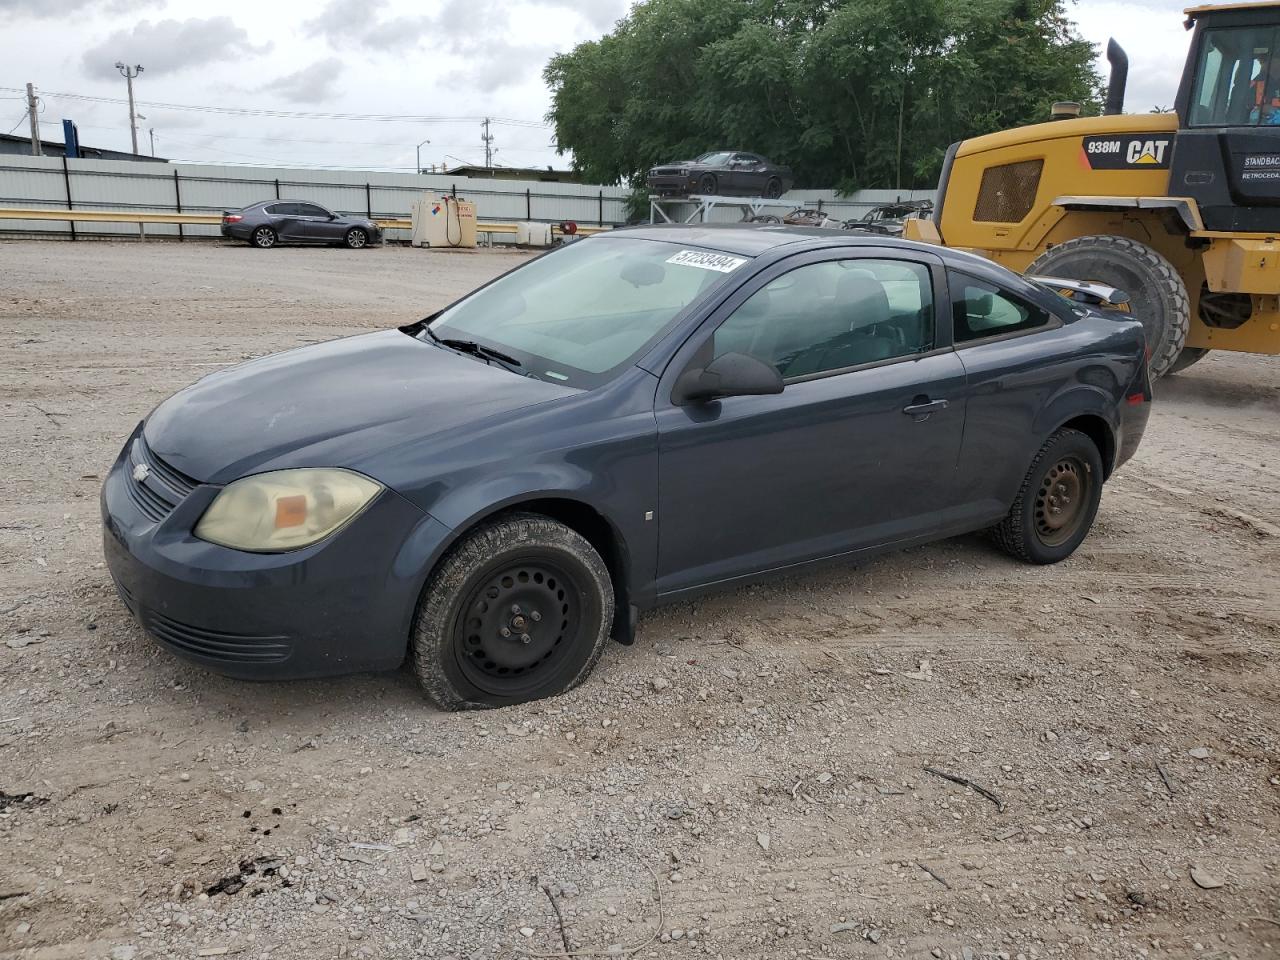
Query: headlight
{"type": "Point", "coordinates": [285, 509]}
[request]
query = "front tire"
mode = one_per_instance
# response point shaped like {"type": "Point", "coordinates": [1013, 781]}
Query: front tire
{"type": "Point", "coordinates": [1158, 297]}
{"type": "Point", "coordinates": [519, 610]}
{"type": "Point", "coordinates": [264, 238]}
{"type": "Point", "coordinates": [356, 239]}
{"type": "Point", "coordinates": [1057, 502]}
{"type": "Point", "coordinates": [708, 185]}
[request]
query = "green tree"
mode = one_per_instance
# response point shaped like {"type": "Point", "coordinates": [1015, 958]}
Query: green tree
{"type": "Point", "coordinates": [852, 93]}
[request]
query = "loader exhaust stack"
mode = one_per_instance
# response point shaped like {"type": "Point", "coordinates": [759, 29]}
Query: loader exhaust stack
{"type": "Point", "coordinates": [1119, 61]}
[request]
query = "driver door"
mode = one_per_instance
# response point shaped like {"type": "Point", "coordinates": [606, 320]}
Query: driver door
{"type": "Point", "coordinates": [747, 175]}
{"type": "Point", "coordinates": [859, 449]}
{"type": "Point", "coordinates": [316, 224]}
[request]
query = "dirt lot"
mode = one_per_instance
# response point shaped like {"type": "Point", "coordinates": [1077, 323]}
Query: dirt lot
{"type": "Point", "coordinates": [748, 780]}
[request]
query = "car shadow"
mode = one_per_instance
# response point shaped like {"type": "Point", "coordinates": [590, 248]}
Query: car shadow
{"type": "Point", "coordinates": [305, 708]}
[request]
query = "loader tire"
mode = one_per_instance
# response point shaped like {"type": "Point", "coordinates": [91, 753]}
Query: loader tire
{"type": "Point", "coordinates": [1157, 295]}
{"type": "Point", "coordinates": [1186, 358]}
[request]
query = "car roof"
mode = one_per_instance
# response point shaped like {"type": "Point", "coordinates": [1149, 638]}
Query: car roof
{"type": "Point", "coordinates": [752, 240]}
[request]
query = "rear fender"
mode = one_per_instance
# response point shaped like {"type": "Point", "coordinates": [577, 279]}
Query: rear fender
{"type": "Point", "coordinates": [1081, 398]}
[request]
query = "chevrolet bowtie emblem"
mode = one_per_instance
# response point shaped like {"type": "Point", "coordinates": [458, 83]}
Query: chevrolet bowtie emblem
{"type": "Point", "coordinates": [141, 472]}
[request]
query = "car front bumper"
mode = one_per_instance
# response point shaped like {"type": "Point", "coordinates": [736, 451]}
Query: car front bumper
{"type": "Point", "coordinates": [670, 185]}
{"type": "Point", "coordinates": [344, 605]}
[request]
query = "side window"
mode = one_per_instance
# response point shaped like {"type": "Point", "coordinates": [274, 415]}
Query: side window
{"type": "Point", "coordinates": [1237, 78]}
{"type": "Point", "coordinates": [983, 310]}
{"type": "Point", "coordinates": [276, 209]}
{"type": "Point", "coordinates": [311, 210]}
{"type": "Point", "coordinates": [833, 315]}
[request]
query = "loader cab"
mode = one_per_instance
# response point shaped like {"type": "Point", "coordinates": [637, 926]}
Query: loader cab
{"type": "Point", "coordinates": [1227, 152]}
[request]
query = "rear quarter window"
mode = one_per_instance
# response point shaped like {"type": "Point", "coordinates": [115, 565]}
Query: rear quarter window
{"type": "Point", "coordinates": [981, 310]}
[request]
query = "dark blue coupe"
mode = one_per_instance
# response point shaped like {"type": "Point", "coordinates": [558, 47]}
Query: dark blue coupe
{"type": "Point", "coordinates": [634, 418]}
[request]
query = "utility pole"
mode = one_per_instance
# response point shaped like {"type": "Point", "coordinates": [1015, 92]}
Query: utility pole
{"type": "Point", "coordinates": [129, 73]}
{"type": "Point", "coordinates": [152, 131]}
{"type": "Point", "coordinates": [34, 117]}
{"type": "Point", "coordinates": [487, 137]}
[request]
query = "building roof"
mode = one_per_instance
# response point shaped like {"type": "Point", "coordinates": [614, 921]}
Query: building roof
{"type": "Point", "coordinates": [513, 173]}
{"type": "Point", "coordinates": [55, 148]}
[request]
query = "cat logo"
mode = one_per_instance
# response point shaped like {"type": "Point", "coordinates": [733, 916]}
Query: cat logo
{"type": "Point", "coordinates": [1126, 152]}
{"type": "Point", "coordinates": [1146, 152]}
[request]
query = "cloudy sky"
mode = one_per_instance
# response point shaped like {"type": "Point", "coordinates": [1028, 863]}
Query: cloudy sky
{"type": "Point", "coordinates": [446, 62]}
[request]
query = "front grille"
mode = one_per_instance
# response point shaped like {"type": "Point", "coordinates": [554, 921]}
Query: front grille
{"type": "Point", "coordinates": [215, 644]}
{"type": "Point", "coordinates": [161, 489]}
{"type": "Point", "coordinates": [668, 172]}
{"type": "Point", "coordinates": [1008, 192]}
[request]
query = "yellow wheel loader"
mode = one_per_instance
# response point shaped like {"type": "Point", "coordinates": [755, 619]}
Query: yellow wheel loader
{"type": "Point", "coordinates": [1180, 210]}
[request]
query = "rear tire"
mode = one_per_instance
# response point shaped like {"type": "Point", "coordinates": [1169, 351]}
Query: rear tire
{"type": "Point", "coordinates": [1158, 297]}
{"type": "Point", "coordinates": [356, 239]}
{"type": "Point", "coordinates": [264, 238]}
{"type": "Point", "coordinates": [1188, 356]}
{"type": "Point", "coordinates": [1057, 502]}
{"type": "Point", "coordinates": [773, 189]}
{"type": "Point", "coordinates": [519, 610]}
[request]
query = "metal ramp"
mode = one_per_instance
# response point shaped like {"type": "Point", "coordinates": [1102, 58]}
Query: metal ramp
{"type": "Point", "coordinates": [661, 209]}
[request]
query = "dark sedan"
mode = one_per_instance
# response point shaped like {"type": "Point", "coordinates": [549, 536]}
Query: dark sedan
{"type": "Point", "coordinates": [632, 419]}
{"type": "Point", "coordinates": [725, 172]}
{"type": "Point", "coordinates": [273, 222]}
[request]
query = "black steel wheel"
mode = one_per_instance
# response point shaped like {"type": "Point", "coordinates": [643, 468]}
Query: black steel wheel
{"type": "Point", "coordinates": [519, 610]}
{"type": "Point", "coordinates": [263, 238]}
{"type": "Point", "coordinates": [356, 238]}
{"type": "Point", "coordinates": [773, 189]}
{"type": "Point", "coordinates": [1061, 501]}
{"type": "Point", "coordinates": [1057, 502]}
{"type": "Point", "coordinates": [708, 185]}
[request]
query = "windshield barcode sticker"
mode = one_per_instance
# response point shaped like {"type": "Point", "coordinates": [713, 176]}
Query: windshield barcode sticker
{"type": "Point", "coordinates": [721, 263]}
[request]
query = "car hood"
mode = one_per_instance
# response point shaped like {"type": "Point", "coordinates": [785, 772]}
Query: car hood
{"type": "Point", "coordinates": [333, 404]}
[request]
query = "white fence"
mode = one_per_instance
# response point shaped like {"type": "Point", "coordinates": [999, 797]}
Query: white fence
{"type": "Point", "coordinates": [54, 183]}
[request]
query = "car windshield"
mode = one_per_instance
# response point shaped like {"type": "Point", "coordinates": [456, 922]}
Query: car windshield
{"type": "Point", "coordinates": [578, 315]}
{"type": "Point", "coordinates": [714, 159]}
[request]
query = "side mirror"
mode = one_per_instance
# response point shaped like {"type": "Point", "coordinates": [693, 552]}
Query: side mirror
{"type": "Point", "coordinates": [730, 375]}
{"type": "Point", "coordinates": [333, 216]}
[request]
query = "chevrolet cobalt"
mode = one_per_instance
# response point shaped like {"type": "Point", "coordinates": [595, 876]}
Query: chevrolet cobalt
{"type": "Point", "coordinates": [634, 418]}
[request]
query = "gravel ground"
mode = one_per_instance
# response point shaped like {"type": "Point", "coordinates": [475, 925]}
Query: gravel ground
{"type": "Point", "coordinates": [748, 780]}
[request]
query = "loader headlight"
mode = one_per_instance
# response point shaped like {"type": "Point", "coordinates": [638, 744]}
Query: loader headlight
{"type": "Point", "coordinates": [285, 509]}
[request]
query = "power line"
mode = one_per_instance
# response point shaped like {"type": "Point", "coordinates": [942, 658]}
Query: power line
{"type": "Point", "coordinates": [297, 114]}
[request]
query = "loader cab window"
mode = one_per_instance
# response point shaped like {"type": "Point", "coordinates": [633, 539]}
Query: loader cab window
{"type": "Point", "coordinates": [1237, 80]}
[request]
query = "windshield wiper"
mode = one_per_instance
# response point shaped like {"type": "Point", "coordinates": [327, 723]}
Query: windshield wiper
{"type": "Point", "coordinates": [474, 348]}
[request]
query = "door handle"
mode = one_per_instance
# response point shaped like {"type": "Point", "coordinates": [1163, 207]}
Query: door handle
{"type": "Point", "coordinates": [921, 407]}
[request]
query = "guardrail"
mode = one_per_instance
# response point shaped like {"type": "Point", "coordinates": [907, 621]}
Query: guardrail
{"type": "Point", "coordinates": [212, 219]}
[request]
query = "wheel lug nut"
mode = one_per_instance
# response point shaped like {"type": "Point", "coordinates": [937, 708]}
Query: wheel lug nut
{"type": "Point", "coordinates": [505, 631]}
{"type": "Point", "coordinates": [536, 616]}
{"type": "Point", "coordinates": [525, 638]}
{"type": "Point", "coordinates": [515, 608]}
